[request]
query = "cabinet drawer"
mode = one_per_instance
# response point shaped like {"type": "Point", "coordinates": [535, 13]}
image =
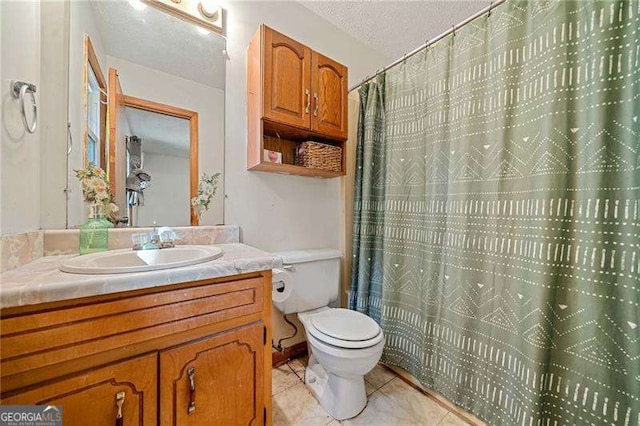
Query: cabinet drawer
{"type": "Point", "coordinates": [41, 339]}
{"type": "Point", "coordinates": [90, 398]}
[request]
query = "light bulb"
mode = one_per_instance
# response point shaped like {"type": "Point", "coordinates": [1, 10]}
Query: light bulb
{"type": "Point", "coordinates": [137, 4]}
{"type": "Point", "coordinates": [207, 8]}
{"type": "Point", "coordinates": [203, 31]}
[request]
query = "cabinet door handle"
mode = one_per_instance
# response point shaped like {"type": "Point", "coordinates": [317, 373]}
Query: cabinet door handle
{"type": "Point", "coordinates": [306, 109]}
{"type": "Point", "coordinates": [119, 403]}
{"type": "Point", "coordinates": [191, 376]}
{"type": "Point", "coordinates": [315, 99]}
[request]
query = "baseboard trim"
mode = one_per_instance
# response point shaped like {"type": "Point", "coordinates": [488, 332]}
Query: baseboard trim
{"type": "Point", "coordinates": [292, 352]}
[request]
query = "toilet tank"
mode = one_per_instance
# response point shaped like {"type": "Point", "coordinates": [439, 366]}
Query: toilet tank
{"type": "Point", "coordinates": [315, 277]}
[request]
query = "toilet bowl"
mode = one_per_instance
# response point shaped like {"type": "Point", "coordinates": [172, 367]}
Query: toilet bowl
{"type": "Point", "coordinates": [344, 345]}
{"type": "Point", "coordinates": [337, 364]}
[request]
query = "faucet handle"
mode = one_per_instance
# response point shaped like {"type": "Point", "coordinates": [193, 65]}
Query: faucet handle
{"type": "Point", "coordinates": [167, 239]}
{"type": "Point", "coordinates": [139, 240]}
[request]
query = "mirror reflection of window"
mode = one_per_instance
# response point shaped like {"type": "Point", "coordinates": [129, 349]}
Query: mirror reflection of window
{"type": "Point", "coordinates": [94, 121]}
{"type": "Point", "coordinates": [95, 103]}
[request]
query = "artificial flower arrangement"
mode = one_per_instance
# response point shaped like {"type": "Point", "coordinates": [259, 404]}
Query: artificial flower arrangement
{"type": "Point", "coordinates": [206, 190]}
{"type": "Point", "coordinates": [95, 189]}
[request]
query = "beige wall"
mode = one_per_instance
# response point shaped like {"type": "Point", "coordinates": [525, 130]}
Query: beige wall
{"type": "Point", "coordinates": [19, 150]}
{"type": "Point", "coordinates": [170, 186]}
{"type": "Point", "coordinates": [277, 212]}
{"type": "Point", "coordinates": [54, 91]}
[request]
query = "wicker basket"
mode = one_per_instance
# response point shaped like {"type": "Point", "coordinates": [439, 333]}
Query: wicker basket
{"type": "Point", "coordinates": [321, 156]}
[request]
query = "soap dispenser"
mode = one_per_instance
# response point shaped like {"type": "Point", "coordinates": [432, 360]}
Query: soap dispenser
{"type": "Point", "coordinates": [94, 233]}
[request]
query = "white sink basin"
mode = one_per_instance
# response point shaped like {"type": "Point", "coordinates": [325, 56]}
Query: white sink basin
{"type": "Point", "coordinates": [127, 260]}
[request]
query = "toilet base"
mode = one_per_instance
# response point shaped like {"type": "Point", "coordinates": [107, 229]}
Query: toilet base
{"type": "Point", "coordinates": [342, 397]}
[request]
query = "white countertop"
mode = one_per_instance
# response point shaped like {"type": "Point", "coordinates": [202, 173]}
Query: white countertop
{"type": "Point", "coordinates": [41, 281]}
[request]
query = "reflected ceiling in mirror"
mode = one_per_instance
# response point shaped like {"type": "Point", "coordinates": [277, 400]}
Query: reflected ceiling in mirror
{"type": "Point", "coordinates": [156, 40]}
{"type": "Point", "coordinates": [163, 134]}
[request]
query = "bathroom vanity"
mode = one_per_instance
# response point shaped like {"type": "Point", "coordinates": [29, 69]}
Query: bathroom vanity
{"type": "Point", "coordinates": [180, 346]}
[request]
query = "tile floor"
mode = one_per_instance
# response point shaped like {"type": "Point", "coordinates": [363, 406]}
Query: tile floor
{"type": "Point", "coordinates": [391, 402]}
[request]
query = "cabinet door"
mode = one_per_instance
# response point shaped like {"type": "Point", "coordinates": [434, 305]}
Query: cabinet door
{"type": "Point", "coordinates": [287, 80]}
{"type": "Point", "coordinates": [218, 380]}
{"type": "Point", "coordinates": [329, 81]}
{"type": "Point", "coordinates": [92, 397]}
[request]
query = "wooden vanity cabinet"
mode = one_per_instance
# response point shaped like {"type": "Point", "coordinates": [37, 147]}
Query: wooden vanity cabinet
{"type": "Point", "coordinates": [294, 95]}
{"type": "Point", "coordinates": [213, 380]}
{"type": "Point", "coordinates": [92, 397]}
{"type": "Point", "coordinates": [187, 354]}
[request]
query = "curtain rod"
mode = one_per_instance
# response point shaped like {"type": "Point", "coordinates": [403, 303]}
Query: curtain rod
{"type": "Point", "coordinates": [453, 29]}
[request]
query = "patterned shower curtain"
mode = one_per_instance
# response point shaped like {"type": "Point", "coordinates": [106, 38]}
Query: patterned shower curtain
{"type": "Point", "coordinates": [497, 214]}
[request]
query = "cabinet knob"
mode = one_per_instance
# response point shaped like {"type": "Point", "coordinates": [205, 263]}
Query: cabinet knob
{"type": "Point", "coordinates": [191, 376]}
{"type": "Point", "coordinates": [306, 109]}
{"type": "Point", "coordinates": [315, 99]}
{"type": "Point", "coordinates": [119, 403]}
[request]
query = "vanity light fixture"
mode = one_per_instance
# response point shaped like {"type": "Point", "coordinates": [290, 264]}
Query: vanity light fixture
{"type": "Point", "coordinates": [204, 13]}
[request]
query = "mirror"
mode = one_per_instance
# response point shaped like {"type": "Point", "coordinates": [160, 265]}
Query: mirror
{"type": "Point", "coordinates": [146, 104]}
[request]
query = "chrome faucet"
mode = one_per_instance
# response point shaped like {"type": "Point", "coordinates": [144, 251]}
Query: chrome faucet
{"type": "Point", "coordinates": [155, 238]}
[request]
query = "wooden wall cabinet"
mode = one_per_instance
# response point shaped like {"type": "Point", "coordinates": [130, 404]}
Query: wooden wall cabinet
{"type": "Point", "coordinates": [294, 95]}
{"type": "Point", "coordinates": [287, 80]}
{"type": "Point", "coordinates": [188, 354]}
{"type": "Point", "coordinates": [329, 80]}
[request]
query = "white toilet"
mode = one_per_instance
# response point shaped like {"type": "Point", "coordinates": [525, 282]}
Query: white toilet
{"type": "Point", "coordinates": [345, 345]}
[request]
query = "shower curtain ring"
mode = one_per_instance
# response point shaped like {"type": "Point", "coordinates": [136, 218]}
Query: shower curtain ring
{"type": "Point", "coordinates": [454, 30]}
{"type": "Point", "coordinates": [490, 8]}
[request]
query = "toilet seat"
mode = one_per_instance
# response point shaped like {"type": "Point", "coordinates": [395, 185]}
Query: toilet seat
{"type": "Point", "coordinates": [344, 328]}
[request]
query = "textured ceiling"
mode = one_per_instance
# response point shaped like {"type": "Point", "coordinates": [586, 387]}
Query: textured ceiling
{"type": "Point", "coordinates": [161, 134]}
{"type": "Point", "coordinates": [157, 40]}
{"type": "Point", "coordinates": [395, 27]}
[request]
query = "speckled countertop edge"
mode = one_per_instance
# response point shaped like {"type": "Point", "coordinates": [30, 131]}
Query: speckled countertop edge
{"type": "Point", "coordinates": [41, 281]}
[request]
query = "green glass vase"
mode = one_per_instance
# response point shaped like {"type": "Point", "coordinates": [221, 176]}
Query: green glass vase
{"type": "Point", "coordinates": [94, 233]}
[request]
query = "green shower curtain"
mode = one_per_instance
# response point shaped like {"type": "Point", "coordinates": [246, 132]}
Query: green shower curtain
{"type": "Point", "coordinates": [497, 214]}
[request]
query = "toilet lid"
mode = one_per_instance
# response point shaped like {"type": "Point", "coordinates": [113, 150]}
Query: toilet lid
{"type": "Point", "coordinates": [344, 324]}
